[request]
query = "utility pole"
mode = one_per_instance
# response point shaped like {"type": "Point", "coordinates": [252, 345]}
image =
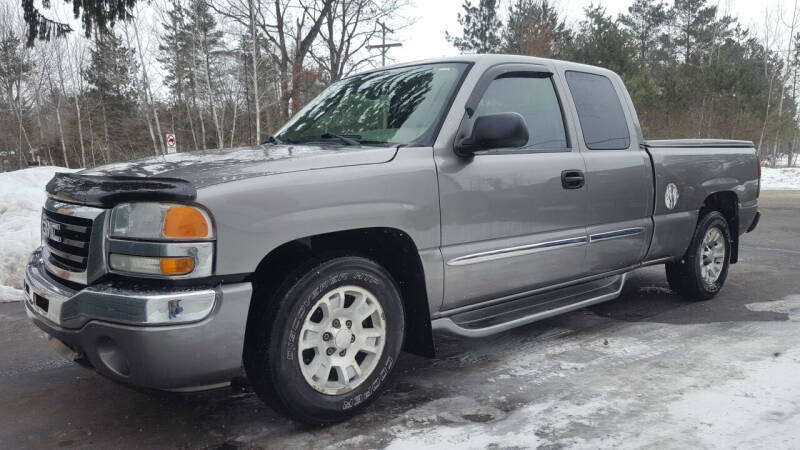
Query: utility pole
{"type": "Point", "coordinates": [384, 46]}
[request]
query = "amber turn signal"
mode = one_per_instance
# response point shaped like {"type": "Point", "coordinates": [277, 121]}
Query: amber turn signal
{"type": "Point", "coordinates": [176, 266]}
{"type": "Point", "coordinates": [185, 222]}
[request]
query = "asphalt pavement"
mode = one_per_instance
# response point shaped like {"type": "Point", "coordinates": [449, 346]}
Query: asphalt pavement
{"type": "Point", "coordinates": [596, 377]}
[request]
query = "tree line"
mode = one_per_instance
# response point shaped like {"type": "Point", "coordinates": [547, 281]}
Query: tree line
{"type": "Point", "coordinates": [215, 74]}
{"type": "Point", "coordinates": [227, 73]}
{"type": "Point", "coordinates": [692, 72]}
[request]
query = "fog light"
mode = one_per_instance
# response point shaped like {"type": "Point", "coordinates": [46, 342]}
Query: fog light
{"type": "Point", "coordinates": [151, 265]}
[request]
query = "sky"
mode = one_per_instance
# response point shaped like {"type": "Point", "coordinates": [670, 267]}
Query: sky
{"type": "Point", "coordinates": [426, 37]}
{"type": "Point", "coordinates": [430, 19]}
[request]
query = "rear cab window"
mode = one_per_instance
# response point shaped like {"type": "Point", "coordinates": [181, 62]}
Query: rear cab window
{"type": "Point", "coordinates": [600, 113]}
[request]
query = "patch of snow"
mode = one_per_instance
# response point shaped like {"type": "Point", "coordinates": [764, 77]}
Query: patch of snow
{"type": "Point", "coordinates": [780, 179]}
{"type": "Point", "coordinates": [9, 294]}
{"type": "Point", "coordinates": [642, 385]}
{"type": "Point", "coordinates": [789, 305]}
{"type": "Point", "coordinates": [21, 198]}
{"type": "Point", "coordinates": [766, 394]}
{"type": "Point", "coordinates": [783, 161]}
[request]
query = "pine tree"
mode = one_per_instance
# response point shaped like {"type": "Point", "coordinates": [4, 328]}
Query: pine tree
{"type": "Point", "coordinates": [98, 16]}
{"type": "Point", "coordinates": [646, 22]}
{"type": "Point", "coordinates": [481, 28]}
{"type": "Point", "coordinates": [14, 68]}
{"type": "Point", "coordinates": [206, 42]}
{"type": "Point", "coordinates": [112, 68]}
{"type": "Point", "coordinates": [535, 29]}
{"type": "Point", "coordinates": [175, 54]}
{"type": "Point", "coordinates": [111, 75]}
{"type": "Point", "coordinates": [175, 51]}
{"type": "Point", "coordinates": [601, 41]}
{"type": "Point", "coordinates": [698, 30]}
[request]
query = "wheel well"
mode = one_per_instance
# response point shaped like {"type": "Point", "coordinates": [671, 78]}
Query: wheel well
{"type": "Point", "coordinates": [727, 203]}
{"type": "Point", "coordinates": [389, 247]}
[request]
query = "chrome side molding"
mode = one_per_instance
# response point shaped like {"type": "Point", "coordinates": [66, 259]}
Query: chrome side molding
{"type": "Point", "coordinates": [511, 252]}
{"type": "Point", "coordinates": [616, 234]}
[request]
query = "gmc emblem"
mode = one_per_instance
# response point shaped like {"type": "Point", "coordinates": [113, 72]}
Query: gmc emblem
{"type": "Point", "coordinates": [49, 230]}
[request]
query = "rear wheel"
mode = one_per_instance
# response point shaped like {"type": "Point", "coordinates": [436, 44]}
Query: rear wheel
{"type": "Point", "coordinates": [702, 272]}
{"type": "Point", "coordinates": [328, 344]}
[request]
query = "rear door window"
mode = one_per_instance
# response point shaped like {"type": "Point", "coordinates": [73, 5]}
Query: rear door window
{"type": "Point", "coordinates": [600, 113]}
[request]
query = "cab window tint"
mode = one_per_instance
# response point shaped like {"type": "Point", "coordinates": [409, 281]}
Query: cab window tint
{"type": "Point", "coordinates": [534, 97]}
{"type": "Point", "coordinates": [599, 111]}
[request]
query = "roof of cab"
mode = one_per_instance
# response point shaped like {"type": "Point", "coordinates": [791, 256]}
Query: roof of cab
{"type": "Point", "coordinates": [491, 59]}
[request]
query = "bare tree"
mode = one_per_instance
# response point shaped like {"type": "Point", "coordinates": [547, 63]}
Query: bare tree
{"type": "Point", "coordinates": [251, 11]}
{"type": "Point", "coordinates": [784, 81]}
{"type": "Point", "coordinates": [290, 27]}
{"type": "Point", "coordinates": [769, 38]}
{"type": "Point", "coordinates": [58, 92]}
{"type": "Point", "coordinates": [147, 93]}
{"type": "Point", "coordinates": [349, 26]}
{"type": "Point", "coordinates": [38, 87]}
{"type": "Point", "coordinates": [15, 66]}
{"type": "Point", "coordinates": [76, 65]}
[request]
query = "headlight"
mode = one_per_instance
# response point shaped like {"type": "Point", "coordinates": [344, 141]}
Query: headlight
{"type": "Point", "coordinates": [160, 240]}
{"type": "Point", "coordinates": [160, 221]}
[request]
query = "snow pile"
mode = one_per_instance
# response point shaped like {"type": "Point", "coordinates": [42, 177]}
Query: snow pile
{"type": "Point", "coordinates": [21, 198]}
{"type": "Point", "coordinates": [780, 178]}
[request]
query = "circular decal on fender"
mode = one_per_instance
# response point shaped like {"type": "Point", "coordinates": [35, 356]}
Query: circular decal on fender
{"type": "Point", "coordinates": [671, 196]}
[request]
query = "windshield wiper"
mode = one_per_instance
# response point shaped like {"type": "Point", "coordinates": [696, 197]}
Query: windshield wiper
{"type": "Point", "coordinates": [374, 142]}
{"type": "Point", "coordinates": [345, 139]}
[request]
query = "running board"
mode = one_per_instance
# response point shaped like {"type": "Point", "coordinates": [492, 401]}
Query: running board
{"type": "Point", "coordinates": [505, 316]}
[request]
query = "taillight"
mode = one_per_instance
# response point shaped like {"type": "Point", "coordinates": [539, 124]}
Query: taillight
{"type": "Point", "coordinates": [758, 161]}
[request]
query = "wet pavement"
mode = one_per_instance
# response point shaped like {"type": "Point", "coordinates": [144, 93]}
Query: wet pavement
{"type": "Point", "coordinates": [646, 370]}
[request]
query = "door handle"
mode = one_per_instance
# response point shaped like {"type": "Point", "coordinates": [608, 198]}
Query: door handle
{"type": "Point", "coordinates": [572, 179]}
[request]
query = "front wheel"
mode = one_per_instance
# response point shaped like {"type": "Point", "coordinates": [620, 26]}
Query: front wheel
{"type": "Point", "coordinates": [702, 272]}
{"type": "Point", "coordinates": [335, 331]}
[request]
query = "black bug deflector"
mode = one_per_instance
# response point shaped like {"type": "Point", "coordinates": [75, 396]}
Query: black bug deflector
{"type": "Point", "coordinates": [107, 191]}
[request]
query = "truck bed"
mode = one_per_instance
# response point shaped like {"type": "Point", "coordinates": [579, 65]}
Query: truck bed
{"type": "Point", "coordinates": [699, 168]}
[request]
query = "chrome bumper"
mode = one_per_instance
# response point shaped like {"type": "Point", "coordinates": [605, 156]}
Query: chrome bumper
{"type": "Point", "coordinates": [162, 338]}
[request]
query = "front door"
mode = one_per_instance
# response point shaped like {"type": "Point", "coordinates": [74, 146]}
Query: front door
{"type": "Point", "coordinates": [513, 220]}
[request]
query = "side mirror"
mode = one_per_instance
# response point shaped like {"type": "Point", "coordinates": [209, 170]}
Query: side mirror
{"type": "Point", "coordinates": [502, 130]}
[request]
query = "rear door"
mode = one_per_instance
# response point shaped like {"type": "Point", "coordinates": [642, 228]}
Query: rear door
{"type": "Point", "coordinates": [618, 174]}
{"type": "Point", "coordinates": [509, 224]}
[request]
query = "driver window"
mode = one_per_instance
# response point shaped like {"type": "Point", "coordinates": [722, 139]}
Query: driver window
{"type": "Point", "coordinates": [533, 97]}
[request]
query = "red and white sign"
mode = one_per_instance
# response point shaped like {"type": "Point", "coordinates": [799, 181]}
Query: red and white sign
{"type": "Point", "coordinates": [172, 145]}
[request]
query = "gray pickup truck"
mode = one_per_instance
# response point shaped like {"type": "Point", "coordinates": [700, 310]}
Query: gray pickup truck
{"type": "Point", "coordinates": [466, 195]}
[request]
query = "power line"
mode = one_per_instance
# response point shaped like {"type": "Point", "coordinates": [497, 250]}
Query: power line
{"type": "Point", "coordinates": [384, 47]}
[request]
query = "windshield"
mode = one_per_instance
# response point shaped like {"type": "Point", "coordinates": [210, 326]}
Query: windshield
{"type": "Point", "coordinates": [396, 106]}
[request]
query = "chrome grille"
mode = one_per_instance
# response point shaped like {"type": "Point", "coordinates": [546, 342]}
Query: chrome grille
{"type": "Point", "coordinates": [67, 244]}
{"type": "Point", "coordinates": [67, 240]}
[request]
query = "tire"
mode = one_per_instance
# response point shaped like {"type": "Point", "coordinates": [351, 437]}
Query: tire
{"type": "Point", "coordinates": [701, 273]}
{"type": "Point", "coordinates": [306, 309]}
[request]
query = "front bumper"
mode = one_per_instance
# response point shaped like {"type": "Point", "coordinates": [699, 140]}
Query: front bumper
{"type": "Point", "coordinates": [161, 338]}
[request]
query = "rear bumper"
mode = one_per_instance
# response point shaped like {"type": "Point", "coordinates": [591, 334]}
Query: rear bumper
{"type": "Point", "coordinates": [754, 224]}
{"type": "Point", "coordinates": [141, 336]}
{"type": "Point", "coordinates": [748, 216]}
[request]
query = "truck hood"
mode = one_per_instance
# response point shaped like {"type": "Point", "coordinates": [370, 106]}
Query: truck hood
{"type": "Point", "coordinates": [206, 168]}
